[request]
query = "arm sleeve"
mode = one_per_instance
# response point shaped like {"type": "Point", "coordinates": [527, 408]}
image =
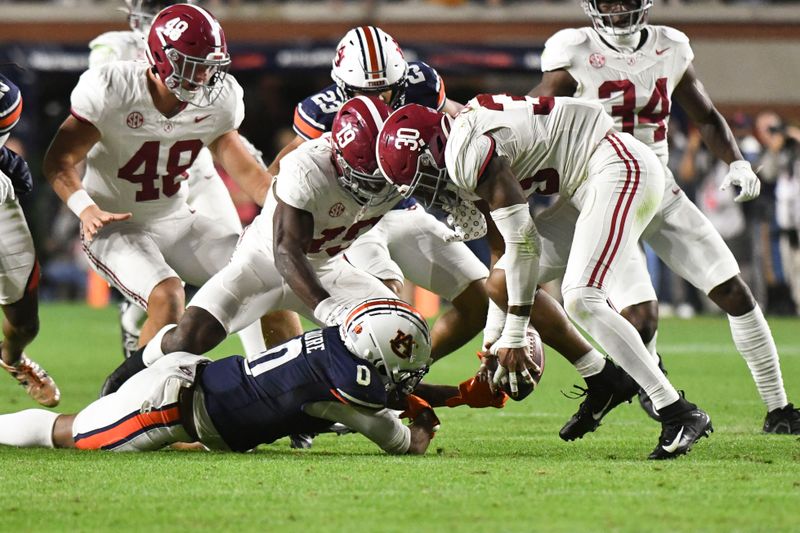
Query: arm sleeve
{"type": "Point", "coordinates": [381, 427]}
{"type": "Point", "coordinates": [523, 248]}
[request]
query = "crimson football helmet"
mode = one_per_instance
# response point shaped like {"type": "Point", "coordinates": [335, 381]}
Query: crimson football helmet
{"type": "Point", "coordinates": [142, 12]}
{"type": "Point", "coordinates": [394, 337]}
{"type": "Point", "coordinates": [369, 61]}
{"type": "Point", "coordinates": [187, 49]}
{"type": "Point", "coordinates": [618, 23]}
{"type": "Point", "coordinates": [410, 153]}
{"type": "Point", "coordinates": [353, 135]}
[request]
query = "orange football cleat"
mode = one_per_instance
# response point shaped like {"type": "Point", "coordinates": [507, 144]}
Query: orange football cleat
{"type": "Point", "coordinates": [37, 383]}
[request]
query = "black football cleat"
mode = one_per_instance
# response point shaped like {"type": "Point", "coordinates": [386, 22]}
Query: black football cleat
{"type": "Point", "coordinates": [302, 441]}
{"type": "Point", "coordinates": [679, 434]}
{"type": "Point", "coordinates": [644, 400]}
{"type": "Point", "coordinates": [783, 421]}
{"type": "Point", "coordinates": [605, 391]}
{"type": "Point", "coordinates": [125, 371]}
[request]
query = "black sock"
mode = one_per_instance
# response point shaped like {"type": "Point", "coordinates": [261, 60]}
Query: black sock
{"type": "Point", "coordinates": [676, 409]}
{"type": "Point", "coordinates": [130, 367]}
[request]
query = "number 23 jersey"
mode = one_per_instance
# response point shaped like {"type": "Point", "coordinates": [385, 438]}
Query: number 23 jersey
{"type": "Point", "coordinates": [635, 88]}
{"type": "Point", "coordinates": [139, 163]}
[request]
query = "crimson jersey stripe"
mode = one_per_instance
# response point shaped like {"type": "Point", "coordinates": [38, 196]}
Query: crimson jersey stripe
{"type": "Point", "coordinates": [617, 221]}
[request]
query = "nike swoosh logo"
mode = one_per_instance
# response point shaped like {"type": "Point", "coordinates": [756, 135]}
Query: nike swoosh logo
{"type": "Point", "coordinates": [675, 443]}
{"type": "Point", "coordinates": [200, 119]}
{"type": "Point", "coordinates": [659, 52]}
{"type": "Point", "coordinates": [598, 415]}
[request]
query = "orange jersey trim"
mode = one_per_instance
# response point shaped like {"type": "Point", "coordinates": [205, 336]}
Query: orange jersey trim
{"type": "Point", "coordinates": [304, 128]}
{"type": "Point", "coordinates": [10, 119]}
{"type": "Point", "coordinates": [442, 98]}
{"type": "Point", "coordinates": [128, 427]}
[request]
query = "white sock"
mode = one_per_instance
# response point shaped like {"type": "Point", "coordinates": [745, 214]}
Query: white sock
{"type": "Point", "coordinates": [753, 339]}
{"type": "Point", "coordinates": [587, 306]}
{"type": "Point", "coordinates": [252, 339]}
{"type": "Point", "coordinates": [651, 346]}
{"type": "Point", "coordinates": [590, 364]}
{"type": "Point", "coordinates": [152, 350]}
{"type": "Point", "coordinates": [28, 428]}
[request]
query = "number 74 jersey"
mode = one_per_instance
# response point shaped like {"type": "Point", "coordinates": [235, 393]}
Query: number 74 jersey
{"type": "Point", "coordinates": [141, 160]}
{"type": "Point", "coordinates": [635, 88]}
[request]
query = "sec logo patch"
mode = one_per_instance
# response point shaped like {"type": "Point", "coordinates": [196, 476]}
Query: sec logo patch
{"type": "Point", "coordinates": [134, 120]}
{"type": "Point", "coordinates": [336, 209]}
{"type": "Point", "coordinates": [597, 60]}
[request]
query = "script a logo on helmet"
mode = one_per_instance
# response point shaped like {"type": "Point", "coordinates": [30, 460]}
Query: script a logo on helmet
{"type": "Point", "coordinates": [339, 56]}
{"type": "Point", "coordinates": [174, 28]}
{"type": "Point", "coordinates": [402, 345]}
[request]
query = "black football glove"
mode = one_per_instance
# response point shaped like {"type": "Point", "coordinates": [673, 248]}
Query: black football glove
{"type": "Point", "coordinates": [15, 167]}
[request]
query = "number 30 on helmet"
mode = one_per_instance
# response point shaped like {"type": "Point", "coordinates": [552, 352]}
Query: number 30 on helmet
{"type": "Point", "coordinates": [187, 49]}
{"type": "Point", "coordinates": [394, 337]}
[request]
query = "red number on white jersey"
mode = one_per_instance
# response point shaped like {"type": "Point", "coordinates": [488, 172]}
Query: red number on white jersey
{"type": "Point", "coordinates": [181, 156]}
{"type": "Point", "coordinates": [627, 110]}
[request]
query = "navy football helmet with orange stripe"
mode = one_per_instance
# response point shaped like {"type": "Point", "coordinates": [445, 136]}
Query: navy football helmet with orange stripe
{"type": "Point", "coordinates": [394, 337]}
{"type": "Point", "coordinates": [369, 61]}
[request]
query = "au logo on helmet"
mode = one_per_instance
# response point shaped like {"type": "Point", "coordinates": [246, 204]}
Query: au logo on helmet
{"type": "Point", "coordinates": [402, 345]}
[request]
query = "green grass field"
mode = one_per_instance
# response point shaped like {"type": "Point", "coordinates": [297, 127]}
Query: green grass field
{"type": "Point", "coordinates": [487, 470]}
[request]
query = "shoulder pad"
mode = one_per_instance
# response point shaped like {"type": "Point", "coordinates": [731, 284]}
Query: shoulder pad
{"type": "Point", "coordinates": [672, 34]}
{"type": "Point", "coordinates": [567, 37]}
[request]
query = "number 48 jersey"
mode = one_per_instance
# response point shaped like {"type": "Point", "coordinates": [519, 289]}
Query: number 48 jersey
{"type": "Point", "coordinates": [139, 164]}
{"type": "Point", "coordinates": [635, 88]}
{"type": "Point", "coordinates": [548, 141]}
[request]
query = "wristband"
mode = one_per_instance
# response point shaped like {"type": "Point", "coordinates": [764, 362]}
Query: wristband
{"type": "Point", "coordinates": [515, 329]}
{"type": "Point", "coordinates": [78, 201]}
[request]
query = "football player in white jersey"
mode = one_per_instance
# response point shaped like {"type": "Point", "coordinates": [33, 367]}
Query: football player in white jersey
{"type": "Point", "coordinates": [19, 269]}
{"type": "Point", "coordinates": [636, 71]}
{"type": "Point", "coordinates": [140, 126]}
{"type": "Point", "coordinates": [208, 195]}
{"type": "Point", "coordinates": [501, 150]}
{"type": "Point", "coordinates": [407, 241]}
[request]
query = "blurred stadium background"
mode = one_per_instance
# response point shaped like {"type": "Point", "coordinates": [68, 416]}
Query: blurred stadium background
{"type": "Point", "coordinates": [747, 55]}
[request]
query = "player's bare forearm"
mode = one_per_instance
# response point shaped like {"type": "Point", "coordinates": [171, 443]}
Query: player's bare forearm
{"type": "Point", "coordinates": [719, 138]}
{"type": "Point", "coordinates": [234, 157]}
{"type": "Point", "coordinates": [67, 149]}
{"type": "Point", "coordinates": [293, 230]}
{"type": "Point", "coordinates": [436, 395]}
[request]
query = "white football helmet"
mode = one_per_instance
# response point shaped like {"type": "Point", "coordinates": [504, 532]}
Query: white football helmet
{"type": "Point", "coordinates": [369, 61]}
{"type": "Point", "coordinates": [627, 22]}
{"type": "Point", "coordinates": [394, 337]}
{"type": "Point", "coordinates": [142, 12]}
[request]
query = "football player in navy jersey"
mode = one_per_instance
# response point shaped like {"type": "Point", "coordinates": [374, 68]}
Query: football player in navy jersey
{"type": "Point", "coordinates": [19, 269]}
{"type": "Point", "coordinates": [339, 374]}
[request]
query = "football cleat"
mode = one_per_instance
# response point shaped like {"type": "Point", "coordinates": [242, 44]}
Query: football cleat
{"type": "Point", "coordinates": [129, 316]}
{"type": "Point", "coordinates": [35, 380]}
{"type": "Point", "coordinates": [679, 434]}
{"type": "Point", "coordinates": [784, 421]}
{"type": "Point", "coordinates": [605, 391]}
{"type": "Point", "coordinates": [302, 441]}
{"type": "Point", "coordinates": [644, 400]}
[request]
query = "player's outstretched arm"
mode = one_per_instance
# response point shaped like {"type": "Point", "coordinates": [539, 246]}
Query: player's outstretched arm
{"type": "Point", "coordinates": [229, 150]}
{"type": "Point", "coordinates": [69, 147]}
{"type": "Point", "coordinates": [292, 235]}
{"type": "Point", "coordinates": [692, 97]}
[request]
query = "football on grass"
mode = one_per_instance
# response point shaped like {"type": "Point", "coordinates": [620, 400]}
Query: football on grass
{"type": "Point", "coordinates": [536, 350]}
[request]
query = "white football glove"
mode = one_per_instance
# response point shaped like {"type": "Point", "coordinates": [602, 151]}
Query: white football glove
{"type": "Point", "coordinates": [495, 320]}
{"type": "Point", "coordinates": [465, 221]}
{"type": "Point", "coordinates": [330, 312]}
{"type": "Point", "coordinates": [741, 174]}
{"type": "Point", "coordinates": [6, 188]}
{"type": "Point", "coordinates": [514, 335]}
